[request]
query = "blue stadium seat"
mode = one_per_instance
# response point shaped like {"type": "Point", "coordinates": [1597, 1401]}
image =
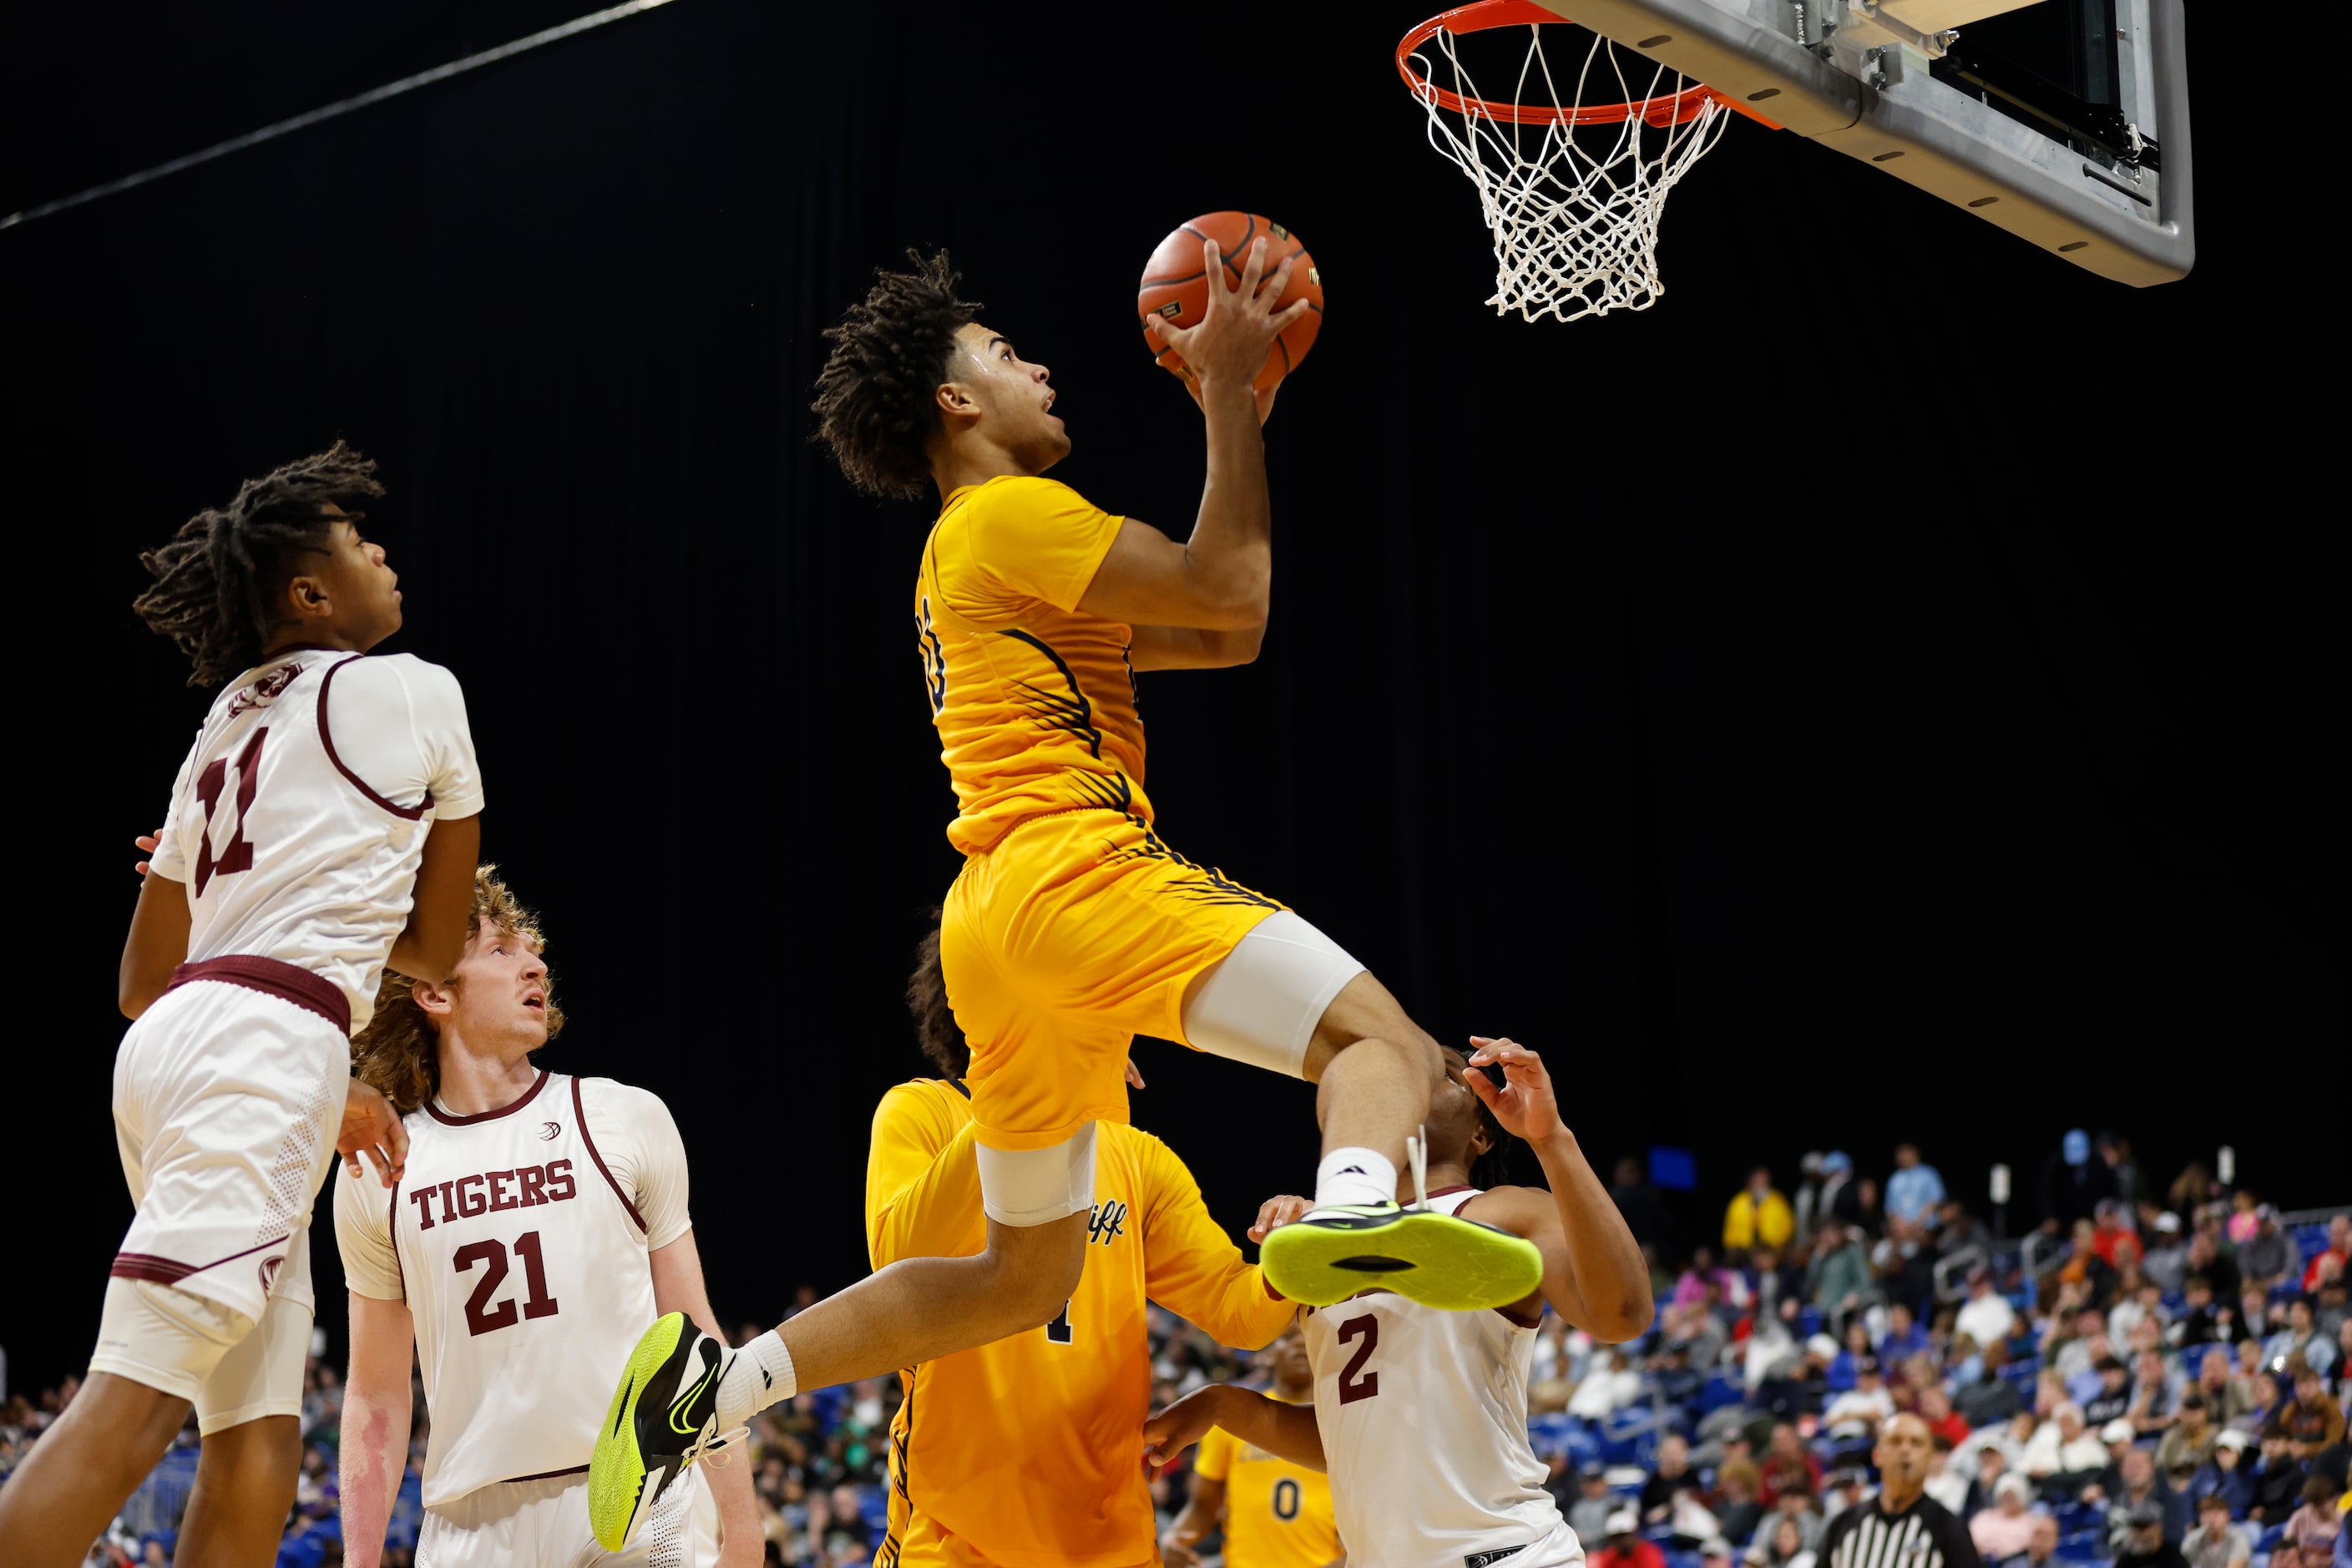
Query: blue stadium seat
{"type": "Point", "coordinates": [1719, 1392]}
{"type": "Point", "coordinates": [874, 1507]}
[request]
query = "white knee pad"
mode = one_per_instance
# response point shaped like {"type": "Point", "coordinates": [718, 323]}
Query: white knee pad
{"type": "Point", "coordinates": [1261, 1003]}
{"type": "Point", "coordinates": [263, 1375]}
{"type": "Point", "coordinates": [1021, 1187]}
{"type": "Point", "coordinates": [165, 1338]}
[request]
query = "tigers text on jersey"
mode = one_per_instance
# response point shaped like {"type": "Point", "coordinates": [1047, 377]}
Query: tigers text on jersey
{"type": "Point", "coordinates": [1424, 1421]}
{"type": "Point", "coordinates": [1924, 1535]}
{"type": "Point", "coordinates": [1033, 700]}
{"type": "Point", "coordinates": [1030, 1450]}
{"type": "Point", "coordinates": [301, 811]}
{"type": "Point", "coordinates": [518, 1238]}
{"type": "Point", "coordinates": [1277, 1514]}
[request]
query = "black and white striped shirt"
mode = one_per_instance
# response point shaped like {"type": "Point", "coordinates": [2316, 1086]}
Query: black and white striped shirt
{"type": "Point", "coordinates": [1924, 1535]}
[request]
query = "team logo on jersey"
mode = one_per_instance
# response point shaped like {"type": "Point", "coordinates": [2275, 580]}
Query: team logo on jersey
{"type": "Point", "coordinates": [1107, 1223]}
{"type": "Point", "coordinates": [266, 690]}
{"type": "Point", "coordinates": [269, 1266]}
{"type": "Point", "coordinates": [548, 1130]}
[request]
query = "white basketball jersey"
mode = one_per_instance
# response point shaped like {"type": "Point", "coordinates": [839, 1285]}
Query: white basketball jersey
{"type": "Point", "coordinates": [1424, 1421]}
{"type": "Point", "coordinates": [286, 852]}
{"type": "Point", "coordinates": [525, 1268]}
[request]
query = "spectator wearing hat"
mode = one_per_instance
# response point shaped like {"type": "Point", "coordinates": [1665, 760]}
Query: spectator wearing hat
{"type": "Point", "coordinates": [2073, 1182]}
{"type": "Point", "coordinates": [2111, 1399]}
{"type": "Point", "coordinates": [1986, 1317]}
{"type": "Point", "coordinates": [2165, 1253]}
{"type": "Point", "coordinates": [1589, 1514]}
{"type": "Point", "coordinates": [2188, 1442]}
{"type": "Point", "coordinates": [2225, 1474]}
{"type": "Point", "coordinates": [1916, 1191]}
{"type": "Point", "coordinates": [1625, 1547]}
{"type": "Point", "coordinates": [2006, 1528]}
{"type": "Point", "coordinates": [2267, 1256]}
{"type": "Point", "coordinates": [2216, 1543]}
{"type": "Point", "coordinates": [1902, 1524]}
{"type": "Point", "coordinates": [1758, 1215]}
{"type": "Point", "coordinates": [2143, 1542]}
{"type": "Point", "coordinates": [1847, 1487]}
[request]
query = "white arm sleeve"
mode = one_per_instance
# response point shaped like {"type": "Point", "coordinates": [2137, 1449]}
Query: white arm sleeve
{"type": "Point", "coordinates": [363, 1236]}
{"type": "Point", "coordinates": [633, 1131]}
{"type": "Point", "coordinates": [400, 724]}
{"type": "Point", "coordinates": [169, 859]}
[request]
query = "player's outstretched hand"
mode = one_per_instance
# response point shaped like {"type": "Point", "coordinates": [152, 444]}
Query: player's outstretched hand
{"type": "Point", "coordinates": [1231, 340]}
{"type": "Point", "coordinates": [373, 1128]}
{"type": "Point", "coordinates": [1525, 1104]}
{"type": "Point", "coordinates": [1181, 1425]}
{"type": "Point", "coordinates": [1276, 1211]}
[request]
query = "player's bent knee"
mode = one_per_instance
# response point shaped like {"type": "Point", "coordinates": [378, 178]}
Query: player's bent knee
{"type": "Point", "coordinates": [1264, 1002]}
{"type": "Point", "coordinates": [166, 1339]}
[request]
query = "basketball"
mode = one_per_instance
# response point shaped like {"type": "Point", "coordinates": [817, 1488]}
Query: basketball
{"type": "Point", "coordinates": [1174, 288]}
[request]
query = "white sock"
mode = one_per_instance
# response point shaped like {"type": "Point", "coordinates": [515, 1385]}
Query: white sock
{"type": "Point", "coordinates": [1355, 1177]}
{"type": "Point", "coordinates": [753, 1377]}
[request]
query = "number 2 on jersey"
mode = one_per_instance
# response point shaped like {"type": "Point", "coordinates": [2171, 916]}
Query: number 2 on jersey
{"type": "Point", "coordinates": [480, 1316]}
{"type": "Point", "coordinates": [1354, 1381]}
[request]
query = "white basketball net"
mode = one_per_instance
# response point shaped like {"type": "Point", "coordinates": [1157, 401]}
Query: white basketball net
{"type": "Point", "coordinates": [1573, 209]}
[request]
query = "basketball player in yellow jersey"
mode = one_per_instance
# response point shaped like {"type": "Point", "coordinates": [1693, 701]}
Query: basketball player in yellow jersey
{"type": "Point", "coordinates": [1074, 925]}
{"type": "Point", "coordinates": [1028, 1453]}
{"type": "Point", "coordinates": [1277, 1511]}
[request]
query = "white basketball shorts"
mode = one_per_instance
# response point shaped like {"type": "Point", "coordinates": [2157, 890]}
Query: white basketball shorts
{"type": "Point", "coordinates": [544, 1523]}
{"type": "Point", "coordinates": [227, 1103]}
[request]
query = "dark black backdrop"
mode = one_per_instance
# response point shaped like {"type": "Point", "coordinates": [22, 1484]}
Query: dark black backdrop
{"type": "Point", "coordinates": [1890, 688]}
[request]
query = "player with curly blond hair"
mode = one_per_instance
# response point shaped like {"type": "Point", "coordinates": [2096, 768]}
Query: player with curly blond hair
{"type": "Point", "coordinates": [541, 1220]}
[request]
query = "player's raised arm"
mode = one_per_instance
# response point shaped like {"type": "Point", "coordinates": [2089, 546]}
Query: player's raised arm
{"type": "Point", "coordinates": [1594, 1273]}
{"type": "Point", "coordinates": [1222, 577]}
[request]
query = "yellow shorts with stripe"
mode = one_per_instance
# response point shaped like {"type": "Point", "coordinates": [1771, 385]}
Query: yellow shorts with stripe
{"type": "Point", "coordinates": [1073, 934]}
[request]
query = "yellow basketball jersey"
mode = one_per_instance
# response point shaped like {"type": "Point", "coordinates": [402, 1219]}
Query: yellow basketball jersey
{"type": "Point", "coordinates": [1277, 1514]}
{"type": "Point", "coordinates": [1031, 1449]}
{"type": "Point", "coordinates": [1034, 702]}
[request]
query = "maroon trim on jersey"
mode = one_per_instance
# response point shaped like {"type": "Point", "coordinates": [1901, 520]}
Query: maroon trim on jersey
{"type": "Point", "coordinates": [392, 1234]}
{"type": "Point", "coordinates": [272, 977]}
{"type": "Point", "coordinates": [1449, 1192]}
{"type": "Point", "coordinates": [580, 1115]}
{"type": "Point", "coordinates": [544, 1476]}
{"type": "Point", "coordinates": [170, 1271]}
{"type": "Point", "coordinates": [529, 1095]}
{"type": "Point", "coordinates": [327, 739]}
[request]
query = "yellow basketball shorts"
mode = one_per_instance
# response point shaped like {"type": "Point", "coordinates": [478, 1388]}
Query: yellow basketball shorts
{"type": "Point", "coordinates": [1075, 933]}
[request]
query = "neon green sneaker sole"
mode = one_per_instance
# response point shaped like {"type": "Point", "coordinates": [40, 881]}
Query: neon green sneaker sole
{"type": "Point", "coordinates": [1439, 1261]}
{"type": "Point", "coordinates": [616, 1472]}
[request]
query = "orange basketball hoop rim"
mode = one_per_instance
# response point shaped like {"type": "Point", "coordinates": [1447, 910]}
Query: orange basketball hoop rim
{"type": "Point", "coordinates": [1668, 108]}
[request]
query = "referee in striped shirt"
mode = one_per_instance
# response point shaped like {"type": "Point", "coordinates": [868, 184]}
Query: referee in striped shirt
{"type": "Point", "coordinates": [1902, 1526]}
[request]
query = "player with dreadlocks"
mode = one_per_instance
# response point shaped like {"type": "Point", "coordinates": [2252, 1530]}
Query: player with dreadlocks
{"type": "Point", "coordinates": [1074, 926]}
{"type": "Point", "coordinates": [324, 823]}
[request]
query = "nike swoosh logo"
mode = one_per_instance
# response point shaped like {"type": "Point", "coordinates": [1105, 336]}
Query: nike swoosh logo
{"type": "Point", "coordinates": [678, 1405]}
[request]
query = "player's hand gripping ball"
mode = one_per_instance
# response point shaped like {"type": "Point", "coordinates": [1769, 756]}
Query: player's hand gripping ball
{"type": "Point", "coordinates": [1175, 288]}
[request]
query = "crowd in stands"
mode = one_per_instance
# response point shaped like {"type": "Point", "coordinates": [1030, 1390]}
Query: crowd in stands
{"type": "Point", "coordinates": [2147, 1380]}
